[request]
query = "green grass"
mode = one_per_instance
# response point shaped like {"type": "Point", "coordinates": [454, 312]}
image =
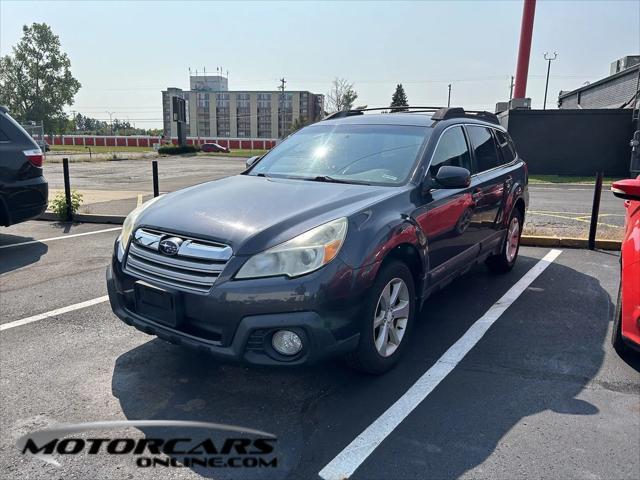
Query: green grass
{"type": "Point", "coordinates": [533, 179]}
{"type": "Point", "coordinates": [80, 149]}
{"type": "Point", "coordinates": [94, 149]}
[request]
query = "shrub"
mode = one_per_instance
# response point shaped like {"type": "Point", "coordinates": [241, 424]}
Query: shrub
{"type": "Point", "coordinates": [59, 204]}
{"type": "Point", "coordinates": [178, 150]}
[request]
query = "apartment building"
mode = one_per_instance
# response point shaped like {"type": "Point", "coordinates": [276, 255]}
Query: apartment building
{"type": "Point", "coordinates": [215, 112]}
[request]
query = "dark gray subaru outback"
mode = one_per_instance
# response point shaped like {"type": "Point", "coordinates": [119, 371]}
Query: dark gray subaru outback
{"type": "Point", "coordinates": [327, 245]}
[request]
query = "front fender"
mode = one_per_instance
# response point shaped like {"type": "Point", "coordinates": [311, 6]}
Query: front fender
{"type": "Point", "coordinates": [375, 240]}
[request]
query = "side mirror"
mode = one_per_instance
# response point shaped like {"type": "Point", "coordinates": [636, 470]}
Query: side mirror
{"type": "Point", "coordinates": [627, 189]}
{"type": "Point", "coordinates": [453, 177]}
{"type": "Point", "coordinates": [251, 161]}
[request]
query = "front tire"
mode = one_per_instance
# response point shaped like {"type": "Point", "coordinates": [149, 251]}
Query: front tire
{"type": "Point", "coordinates": [504, 261]}
{"type": "Point", "coordinates": [388, 318]}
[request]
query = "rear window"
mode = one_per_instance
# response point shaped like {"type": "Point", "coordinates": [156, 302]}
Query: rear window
{"type": "Point", "coordinates": [13, 131]}
{"type": "Point", "coordinates": [484, 148]}
{"type": "Point", "coordinates": [505, 146]}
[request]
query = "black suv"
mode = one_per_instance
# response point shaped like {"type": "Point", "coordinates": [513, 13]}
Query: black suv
{"type": "Point", "coordinates": [328, 244]}
{"type": "Point", "coordinates": [23, 189]}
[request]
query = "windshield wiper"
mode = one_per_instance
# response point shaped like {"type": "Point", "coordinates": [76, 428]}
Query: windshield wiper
{"type": "Point", "coordinates": [328, 179]}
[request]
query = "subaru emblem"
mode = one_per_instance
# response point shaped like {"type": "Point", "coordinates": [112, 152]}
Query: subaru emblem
{"type": "Point", "coordinates": [170, 246]}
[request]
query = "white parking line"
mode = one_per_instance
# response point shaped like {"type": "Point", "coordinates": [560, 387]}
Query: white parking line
{"type": "Point", "coordinates": [354, 454]}
{"type": "Point", "coordinates": [59, 238]}
{"type": "Point", "coordinates": [53, 313]}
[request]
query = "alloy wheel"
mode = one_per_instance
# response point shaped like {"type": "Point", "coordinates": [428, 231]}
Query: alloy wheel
{"type": "Point", "coordinates": [391, 317]}
{"type": "Point", "coordinates": [513, 239]}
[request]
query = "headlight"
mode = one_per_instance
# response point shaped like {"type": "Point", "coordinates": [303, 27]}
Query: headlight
{"type": "Point", "coordinates": [302, 254]}
{"type": "Point", "coordinates": [130, 223]}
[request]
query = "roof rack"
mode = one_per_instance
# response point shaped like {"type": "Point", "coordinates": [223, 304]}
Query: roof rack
{"type": "Point", "coordinates": [457, 112]}
{"type": "Point", "coordinates": [360, 111]}
{"type": "Point", "coordinates": [439, 113]}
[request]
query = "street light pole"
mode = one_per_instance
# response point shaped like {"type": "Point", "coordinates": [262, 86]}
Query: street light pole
{"type": "Point", "coordinates": [449, 97]}
{"type": "Point", "coordinates": [111, 121]}
{"type": "Point", "coordinates": [548, 58]}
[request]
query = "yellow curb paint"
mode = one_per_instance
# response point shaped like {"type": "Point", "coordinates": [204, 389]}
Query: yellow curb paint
{"type": "Point", "coordinates": [542, 241]}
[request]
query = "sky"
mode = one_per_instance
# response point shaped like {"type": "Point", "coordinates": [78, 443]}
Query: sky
{"type": "Point", "coordinates": [125, 53]}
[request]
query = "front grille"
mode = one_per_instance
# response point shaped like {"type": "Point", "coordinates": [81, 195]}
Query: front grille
{"type": "Point", "coordinates": [194, 268]}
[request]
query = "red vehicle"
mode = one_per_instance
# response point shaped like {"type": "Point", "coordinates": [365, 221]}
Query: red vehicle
{"type": "Point", "coordinates": [214, 147]}
{"type": "Point", "coordinates": [626, 321]}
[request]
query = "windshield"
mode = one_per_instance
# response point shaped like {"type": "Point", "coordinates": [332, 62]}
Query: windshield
{"type": "Point", "coordinates": [375, 154]}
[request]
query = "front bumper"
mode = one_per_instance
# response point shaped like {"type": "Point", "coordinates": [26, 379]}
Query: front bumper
{"type": "Point", "coordinates": [236, 319]}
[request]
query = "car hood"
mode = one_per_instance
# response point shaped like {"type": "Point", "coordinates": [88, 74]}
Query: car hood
{"type": "Point", "coordinates": [252, 213]}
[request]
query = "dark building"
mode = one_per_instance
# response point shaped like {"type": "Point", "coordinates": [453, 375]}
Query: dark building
{"type": "Point", "coordinates": [617, 90]}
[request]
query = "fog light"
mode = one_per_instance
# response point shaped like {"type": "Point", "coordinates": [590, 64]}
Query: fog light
{"type": "Point", "coordinates": [286, 342]}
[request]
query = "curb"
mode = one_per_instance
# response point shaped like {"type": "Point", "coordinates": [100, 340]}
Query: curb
{"type": "Point", "coordinates": [86, 218]}
{"type": "Point", "coordinates": [567, 242]}
{"type": "Point", "coordinates": [525, 240]}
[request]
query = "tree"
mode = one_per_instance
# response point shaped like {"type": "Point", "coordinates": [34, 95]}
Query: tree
{"type": "Point", "coordinates": [399, 99]}
{"type": "Point", "coordinates": [301, 122]}
{"type": "Point", "coordinates": [341, 96]}
{"type": "Point", "coordinates": [35, 80]}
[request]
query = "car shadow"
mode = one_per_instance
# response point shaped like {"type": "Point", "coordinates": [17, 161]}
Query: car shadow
{"type": "Point", "coordinates": [20, 256]}
{"type": "Point", "coordinates": [527, 363]}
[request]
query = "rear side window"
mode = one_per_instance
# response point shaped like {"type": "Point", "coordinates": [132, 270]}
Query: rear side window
{"type": "Point", "coordinates": [506, 147]}
{"type": "Point", "coordinates": [452, 150]}
{"type": "Point", "coordinates": [484, 148]}
{"type": "Point", "coordinates": [3, 136]}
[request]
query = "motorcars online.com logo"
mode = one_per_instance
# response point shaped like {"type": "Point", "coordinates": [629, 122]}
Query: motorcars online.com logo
{"type": "Point", "coordinates": [238, 447]}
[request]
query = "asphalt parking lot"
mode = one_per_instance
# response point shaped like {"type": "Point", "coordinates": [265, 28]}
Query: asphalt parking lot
{"type": "Point", "coordinates": [116, 187]}
{"type": "Point", "coordinates": [541, 395]}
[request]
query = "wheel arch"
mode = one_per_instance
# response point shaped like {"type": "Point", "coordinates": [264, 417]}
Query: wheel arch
{"type": "Point", "coordinates": [520, 206]}
{"type": "Point", "coordinates": [408, 254]}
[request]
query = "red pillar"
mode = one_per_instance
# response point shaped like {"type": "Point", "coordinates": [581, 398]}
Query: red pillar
{"type": "Point", "coordinates": [524, 51]}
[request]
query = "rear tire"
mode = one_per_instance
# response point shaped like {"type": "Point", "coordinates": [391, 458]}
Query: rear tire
{"type": "Point", "coordinates": [504, 261]}
{"type": "Point", "coordinates": [388, 318]}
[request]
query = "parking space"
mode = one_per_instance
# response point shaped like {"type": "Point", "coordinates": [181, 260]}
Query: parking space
{"type": "Point", "coordinates": [565, 211]}
{"type": "Point", "coordinates": [541, 395]}
{"type": "Point", "coordinates": [117, 187]}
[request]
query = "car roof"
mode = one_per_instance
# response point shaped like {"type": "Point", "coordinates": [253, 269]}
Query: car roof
{"type": "Point", "coordinates": [429, 117]}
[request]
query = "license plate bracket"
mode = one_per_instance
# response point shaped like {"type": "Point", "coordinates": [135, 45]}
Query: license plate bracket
{"type": "Point", "coordinates": [156, 303]}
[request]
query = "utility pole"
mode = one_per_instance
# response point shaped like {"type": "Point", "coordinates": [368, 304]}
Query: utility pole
{"type": "Point", "coordinates": [511, 89]}
{"type": "Point", "coordinates": [549, 59]}
{"type": "Point", "coordinates": [111, 120]}
{"type": "Point", "coordinates": [449, 97]}
{"type": "Point", "coordinates": [281, 122]}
